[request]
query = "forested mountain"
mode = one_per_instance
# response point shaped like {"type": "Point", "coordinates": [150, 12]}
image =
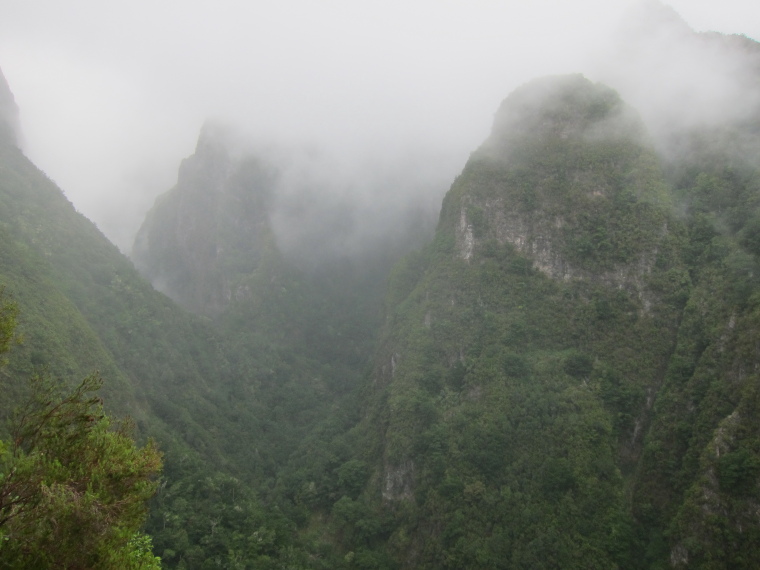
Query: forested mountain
{"type": "Point", "coordinates": [82, 308]}
{"type": "Point", "coordinates": [227, 400]}
{"type": "Point", "coordinates": [562, 374]}
{"type": "Point", "coordinates": [564, 379]}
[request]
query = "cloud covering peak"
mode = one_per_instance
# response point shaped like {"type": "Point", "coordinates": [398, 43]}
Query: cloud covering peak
{"type": "Point", "coordinates": [112, 95]}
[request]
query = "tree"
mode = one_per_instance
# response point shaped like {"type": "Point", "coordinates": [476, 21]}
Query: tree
{"type": "Point", "coordinates": [73, 484]}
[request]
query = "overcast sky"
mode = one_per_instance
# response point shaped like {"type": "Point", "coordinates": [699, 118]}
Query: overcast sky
{"type": "Point", "coordinates": [112, 94]}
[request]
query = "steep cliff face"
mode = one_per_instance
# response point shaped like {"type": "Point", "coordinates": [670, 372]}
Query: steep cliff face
{"type": "Point", "coordinates": [211, 229]}
{"type": "Point", "coordinates": [284, 251]}
{"type": "Point", "coordinates": [568, 179]}
{"type": "Point", "coordinates": [253, 227]}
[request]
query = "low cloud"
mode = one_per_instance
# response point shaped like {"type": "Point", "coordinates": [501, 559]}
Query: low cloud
{"type": "Point", "coordinates": [113, 97]}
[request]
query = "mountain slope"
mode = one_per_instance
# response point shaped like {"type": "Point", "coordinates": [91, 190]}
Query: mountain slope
{"type": "Point", "coordinates": [515, 372]}
{"type": "Point", "coordinates": [83, 306]}
{"type": "Point", "coordinates": [543, 394]}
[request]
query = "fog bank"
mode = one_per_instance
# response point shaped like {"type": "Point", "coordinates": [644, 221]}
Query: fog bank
{"type": "Point", "coordinates": [112, 95]}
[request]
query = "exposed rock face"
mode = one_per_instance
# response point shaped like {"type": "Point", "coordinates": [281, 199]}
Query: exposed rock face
{"type": "Point", "coordinates": [565, 161]}
{"type": "Point", "coordinates": [399, 482]}
{"type": "Point", "coordinates": [211, 226]}
{"type": "Point", "coordinates": [9, 121]}
{"type": "Point", "coordinates": [239, 201]}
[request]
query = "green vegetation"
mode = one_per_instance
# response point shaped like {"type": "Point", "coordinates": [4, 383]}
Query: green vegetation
{"type": "Point", "coordinates": [546, 399]}
{"type": "Point", "coordinates": [565, 376]}
{"type": "Point", "coordinates": [73, 486]}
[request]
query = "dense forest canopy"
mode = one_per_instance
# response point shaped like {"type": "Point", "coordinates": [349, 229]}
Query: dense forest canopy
{"type": "Point", "coordinates": [73, 485]}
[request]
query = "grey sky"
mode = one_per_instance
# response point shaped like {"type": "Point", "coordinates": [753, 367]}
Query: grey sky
{"type": "Point", "coordinates": [113, 94]}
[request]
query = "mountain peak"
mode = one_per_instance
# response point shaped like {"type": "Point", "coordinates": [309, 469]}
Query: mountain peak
{"type": "Point", "coordinates": [564, 106]}
{"type": "Point", "coordinates": [557, 179]}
